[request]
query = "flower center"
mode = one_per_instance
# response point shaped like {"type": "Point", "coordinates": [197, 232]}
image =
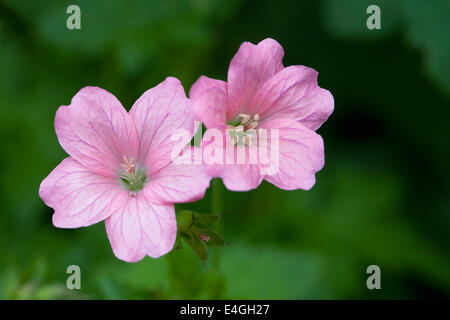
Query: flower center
{"type": "Point", "coordinates": [241, 128]}
{"type": "Point", "coordinates": [133, 177]}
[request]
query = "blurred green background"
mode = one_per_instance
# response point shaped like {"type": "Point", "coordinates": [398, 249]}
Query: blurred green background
{"type": "Point", "coordinates": [382, 198]}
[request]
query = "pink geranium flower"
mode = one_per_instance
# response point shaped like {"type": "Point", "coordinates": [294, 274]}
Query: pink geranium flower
{"type": "Point", "coordinates": [120, 168]}
{"type": "Point", "coordinates": [262, 94]}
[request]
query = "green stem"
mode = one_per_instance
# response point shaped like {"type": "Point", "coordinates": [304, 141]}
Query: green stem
{"type": "Point", "coordinates": [217, 204]}
{"type": "Point", "coordinates": [217, 207]}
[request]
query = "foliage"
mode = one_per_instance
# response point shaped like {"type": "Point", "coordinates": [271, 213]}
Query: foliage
{"type": "Point", "coordinates": [382, 197]}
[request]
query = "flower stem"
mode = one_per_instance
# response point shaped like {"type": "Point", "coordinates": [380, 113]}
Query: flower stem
{"type": "Point", "coordinates": [217, 204]}
{"type": "Point", "coordinates": [217, 207]}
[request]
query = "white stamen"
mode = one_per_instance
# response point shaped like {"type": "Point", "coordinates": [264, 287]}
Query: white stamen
{"type": "Point", "coordinates": [248, 140]}
{"type": "Point", "coordinates": [240, 131]}
{"type": "Point", "coordinates": [245, 117]}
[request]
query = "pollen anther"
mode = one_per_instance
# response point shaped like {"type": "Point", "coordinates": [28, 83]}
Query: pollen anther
{"type": "Point", "coordinates": [239, 126]}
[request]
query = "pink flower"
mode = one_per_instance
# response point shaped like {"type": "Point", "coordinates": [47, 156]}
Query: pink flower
{"type": "Point", "coordinates": [120, 168]}
{"type": "Point", "coordinates": [262, 94]}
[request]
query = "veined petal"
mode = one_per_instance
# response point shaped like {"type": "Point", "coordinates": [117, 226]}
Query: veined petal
{"type": "Point", "coordinates": [78, 196]}
{"type": "Point", "coordinates": [142, 228]}
{"type": "Point", "coordinates": [241, 177]}
{"type": "Point", "coordinates": [299, 153]}
{"type": "Point", "coordinates": [209, 101]}
{"type": "Point", "coordinates": [293, 93]}
{"type": "Point", "coordinates": [249, 69]}
{"type": "Point", "coordinates": [179, 181]}
{"type": "Point", "coordinates": [96, 131]}
{"type": "Point", "coordinates": [158, 114]}
{"type": "Point", "coordinates": [286, 94]}
{"type": "Point", "coordinates": [323, 108]}
{"type": "Point", "coordinates": [238, 167]}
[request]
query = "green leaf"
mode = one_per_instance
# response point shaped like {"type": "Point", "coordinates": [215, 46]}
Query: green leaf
{"type": "Point", "coordinates": [198, 246]}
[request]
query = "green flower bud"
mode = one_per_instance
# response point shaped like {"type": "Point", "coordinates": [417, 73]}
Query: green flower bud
{"type": "Point", "coordinates": [195, 229]}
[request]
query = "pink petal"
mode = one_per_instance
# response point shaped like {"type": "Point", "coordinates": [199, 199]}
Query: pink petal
{"type": "Point", "coordinates": [237, 175]}
{"type": "Point", "coordinates": [80, 198]}
{"type": "Point", "coordinates": [286, 94]}
{"type": "Point", "coordinates": [158, 114]}
{"type": "Point", "coordinates": [96, 131]}
{"type": "Point", "coordinates": [324, 105]}
{"type": "Point", "coordinates": [209, 99]}
{"type": "Point", "coordinates": [293, 93]}
{"type": "Point", "coordinates": [249, 69]}
{"type": "Point", "coordinates": [142, 228]}
{"type": "Point", "coordinates": [300, 152]}
{"type": "Point", "coordinates": [179, 182]}
{"type": "Point", "coordinates": [241, 177]}
{"type": "Point", "coordinates": [209, 147]}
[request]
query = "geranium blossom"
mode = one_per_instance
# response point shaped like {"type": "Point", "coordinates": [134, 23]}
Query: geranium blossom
{"type": "Point", "coordinates": [120, 168]}
{"type": "Point", "coordinates": [262, 94]}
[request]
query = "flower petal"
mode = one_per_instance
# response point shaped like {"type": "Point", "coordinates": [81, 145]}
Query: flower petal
{"type": "Point", "coordinates": [158, 114]}
{"type": "Point", "coordinates": [293, 93]}
{"type": "Point", "coordinates": [96, 131]}
{"type": "Point", "coordinates": [236, 165]}
{"type": "Point", "coordinates": [209, 101]}
{"type": "Point", "coordinates": [142, 228]}
{"type": "Point", "coordinates": [241, 177]}
{"type": "Point", "coordinates": [300, 154]}
{"type": "Point", "coordinates": [179, 182]}
{"type": "Point", "coordinates": [80, 198]}
{"type": "Point", "coordinates": [287, 94]}
{"type": "Point", "coordinates": [249, 69]}
{"type": "Point", "coordinates": [324, 106]}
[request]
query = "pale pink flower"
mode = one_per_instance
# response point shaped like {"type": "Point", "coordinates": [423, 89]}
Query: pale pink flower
{"type": "Point", "coordinates": [120, 168]}
{"type": "Point", "coordinates": [261, 93]}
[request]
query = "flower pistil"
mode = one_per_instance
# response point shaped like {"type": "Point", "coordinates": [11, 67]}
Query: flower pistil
{"type": "Point", "coordinates": [133, 177]}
